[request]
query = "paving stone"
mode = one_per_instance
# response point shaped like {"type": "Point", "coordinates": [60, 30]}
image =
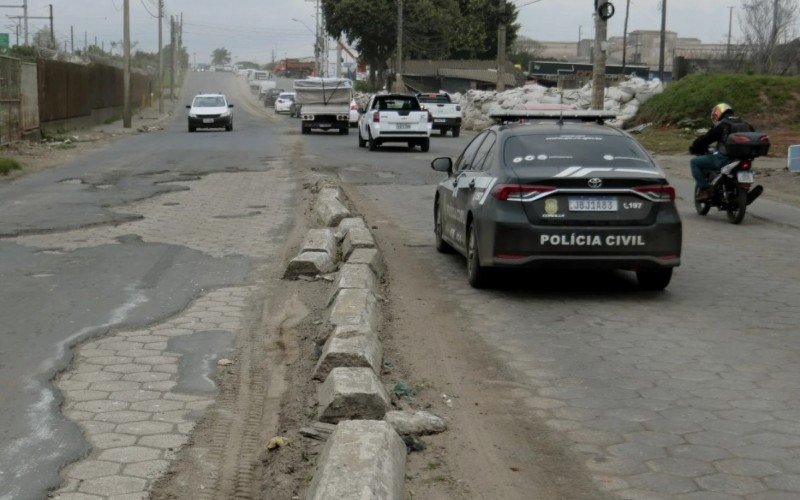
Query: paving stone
{"type": "Point", "coordinates": [636, 451]}
{"type": "Point", "coordinates": [93, 427]}
{"type": "Point", "coordinates": [361, 459]}
{"type": "Point", "coordinates": [111, 440]}
{"type": "Point", "coordinates": [135, 396]}
{"type": "Point", "coordinates": [122, 416]}
{"type": "Point", "coordinates": [129, 454]}
{"type": "Point", "coordinates": [157, 360]}
{"type": "Point", "coordinates": [166, 385]}
{"type": "Point", "coordinates": [734, 485]}
{"type": "Point", "coordinates": [784, 482]}
{"type": "Point", "coordinates": [157, 405]}
{"type": "Point", "coordinates": [111, 360]}
{"type": "Point", "coordinates": [177, 416]}
{"type": "Point", "coordinates": [113, 485]}
{"type": "Point", "coordinates": [745, 467]}
{"type": "Point", "coordinates": [117, 385]}
{"type": "Point", "coordinates": [72, 385]}
{"type": "Point", "coordinates": [76, 496]}
{"type": "Point", "coordinates": [172, 369]}
{"type": "Point", "coordinates": [199, 405]}
{"type": "Point", "coordinates": [101, 406]}
{"type": "Point", "coordinates": [77, 415]}
{"type": "Point", "coordinates": [151, 469]}
{"type": "Point", "coordinates": [147, 377]}
{"type": "Point", "coordinates": [681, 467]}
{"type": "Point", "coordinates": [662, 483]}
{"type": "Point", "coordinates": [87, 395]}
{"type": "Point", "coordinates": [96, 376]}
{"type": "Point", "coordinates": [616, 465]}
{"type": "Point", "coordinates": [144, 428]}
{"type": "Point", "coordinates": [699, 452]}
{"type": "Point", "coordinates": [164, 441]}
{"type": "Point", "coordinates": [128, 368]}
{"type": "Point", "coordinates": [90, 469]}
{"type": "Point", "coordinates": [95, 353]}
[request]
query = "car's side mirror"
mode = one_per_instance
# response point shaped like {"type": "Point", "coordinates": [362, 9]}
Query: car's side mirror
{"type": "Point", "coordinates": [444, 164]}
{"type": "Point", "coordinates": [188, 107]}
{"type": "Point", "coordinates": [230, 105]}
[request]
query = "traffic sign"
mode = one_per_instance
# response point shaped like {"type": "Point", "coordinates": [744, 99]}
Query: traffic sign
{"type": "Point", "coordinates": [4, 40]}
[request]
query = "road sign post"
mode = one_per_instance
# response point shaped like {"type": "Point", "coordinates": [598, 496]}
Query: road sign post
{"type": "Point", "coordinates": [5, 40]}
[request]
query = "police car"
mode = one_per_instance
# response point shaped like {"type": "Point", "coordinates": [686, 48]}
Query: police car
{"type": "Point", "coordinates": [557, 189]}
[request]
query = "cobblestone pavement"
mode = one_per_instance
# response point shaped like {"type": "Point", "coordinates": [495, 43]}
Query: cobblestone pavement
{"type": "Point", "coordinates": [690, 394]}
{"type": "Point", "coordinates": [127, 390]}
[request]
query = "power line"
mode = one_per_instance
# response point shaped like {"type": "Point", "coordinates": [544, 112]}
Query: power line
{"type": "Point", "coordinates": [155, 16]}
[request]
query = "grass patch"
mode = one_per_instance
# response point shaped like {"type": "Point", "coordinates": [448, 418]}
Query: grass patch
{"type": "Point", "coordinates": [112, 119]}
{"type": "Point", "coordinates": [666, 140]}
{"type": "Point", "coordinates": [433, 465]}
{"type": "Point", "coordinates": [9, 164]}
{"type": "Point", "coordinates": [774, 99]}
{"type": "Point", "coordinates": [66, 145]}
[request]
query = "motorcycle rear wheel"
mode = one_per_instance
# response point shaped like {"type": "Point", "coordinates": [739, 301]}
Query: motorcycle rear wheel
{"type": "Point", "coordinates": [702, 207]}
{"type": "Point", "coordinates": [737, 207]}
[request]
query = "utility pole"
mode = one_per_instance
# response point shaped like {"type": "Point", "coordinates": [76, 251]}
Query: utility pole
{"type": "Point", "coordinates": [85, 41]}
{"type": "Point", "coordinates": [25, 15]}
{"type": "Point", "coordinates": [730, 30]}
{"type": "Point", "coordinates": [126, 44]}
{"type": "Point", "coordinates": [663, 48]}
{"type": "Point", "coordinates": [339, 58]}
{"type": "Point", "coordinates": [22, 18]}
{"type": "Point", "coordinates": [72, 39]}
{"type": "Point", "coordinates": [160, 57]}
{"type": "Point", "coordinates": [501, 46]}
{"type": "Point", "coordinates": [599, 73]}
{"type": "Point", "coordinates": [625, 38]}
{"type": "Point", "coordinates": [172, 66]}
{"type": "Point", "coordinates": [52, 29]}
{"type": "Point", "coordinates": [398, 64]}
{"type": "Point", "coordinates": [580, 36]}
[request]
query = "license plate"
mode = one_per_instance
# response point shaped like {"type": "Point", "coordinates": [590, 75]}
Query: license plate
{"type": "Point", "coordinates": [593, 204]}
{"type": "Point", "coordinates": [324, 125]}
{"type": "Point", "coordinates": [745, 177]}
{"type": "Point", "coordinates": [208, 120]}
{"type": "Point", "coordinates": [403, 126]}
{"type": "Point", "coordinates": [439, 120]}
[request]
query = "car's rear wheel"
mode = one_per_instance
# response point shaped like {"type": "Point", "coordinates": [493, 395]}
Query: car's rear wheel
{"type": "Point", "coordinates": [654, 279]}
{"type": "Point", "coordinates": [362, 143]}
{"type": "Point", "coordinates": [305, 130]}
{"type": "Point", "coordinates": [425, 145]}
{"type": "Point", "coordinates": [344, 130]}
{"type": "Point", "coordinates": [441, 245]}
{"type": "Point", "coordinates": [737, 207]}
{"type": "Point", "coordinates": [456, 131]}
{"type": "Point", "coordinates": [192, 129]}
{"type": "Point", "coordinates": [443, 131]}
{"type": "Point", "coordinates": [477, 275]}
{"type": "Point", "coordinates": [373, 143]}
{"type": "Point", "coordinates": [229, 127]}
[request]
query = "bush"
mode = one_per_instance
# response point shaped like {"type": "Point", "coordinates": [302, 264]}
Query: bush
{"type": "Point", "coordinates": [9, 164]}
{"type": "Point", "coordinates": [773, 99]}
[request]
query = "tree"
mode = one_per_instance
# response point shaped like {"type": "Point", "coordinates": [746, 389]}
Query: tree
{"type": "Point", "coordinates": [766, 24]}
{"type": "Point", "coordinates": [476, 28]}
{"type": "Point", "coordinates": [221, 56]}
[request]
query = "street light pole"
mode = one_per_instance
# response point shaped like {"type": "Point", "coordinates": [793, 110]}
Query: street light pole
{"type": "Point", "coordinates": [663, 47]}
{"type": "Point", "coordinates": [501, 46]}
{"type": "Point", "coordinates": [126, 42]}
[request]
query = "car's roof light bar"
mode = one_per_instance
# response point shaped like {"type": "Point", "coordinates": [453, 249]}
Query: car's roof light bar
{"type": "Point", "coordinates": [520, 116]}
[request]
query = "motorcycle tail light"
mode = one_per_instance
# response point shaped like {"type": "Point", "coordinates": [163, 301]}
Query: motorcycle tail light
{"type": "Point", "coordinates": [746, 165]}
{"type": "Point", "coordinates": [518, 192]}
{"type": "Point", "coordinates": [740, 139]}
{"type": "Point", "coordinates": [658, 192]}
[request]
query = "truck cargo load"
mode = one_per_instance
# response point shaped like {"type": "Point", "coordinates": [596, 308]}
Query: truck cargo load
{"type": "Point", "coordinates": [324, 91]}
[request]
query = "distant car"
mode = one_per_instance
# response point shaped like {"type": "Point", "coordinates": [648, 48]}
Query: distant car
{"type": "Point", "coordinates": [283, 104]}
{"type": "Point", "coordinates": [271, 96]}
{"type": "Point", "coordinates": [395, 118]}
{"type": "Point", "coordinates": [210, 111]}
{"type": "Point", "coordinates": [354, 114]}
{"type": "Point", "coordinates": [558, 192]}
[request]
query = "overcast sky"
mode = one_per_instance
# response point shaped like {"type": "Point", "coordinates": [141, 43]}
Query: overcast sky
{"type": "Point", "coordinates": [252, 29]}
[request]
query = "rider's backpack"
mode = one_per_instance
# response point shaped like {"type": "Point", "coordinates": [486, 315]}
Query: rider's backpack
{"type": "Point", "coordinates": [740, 140]}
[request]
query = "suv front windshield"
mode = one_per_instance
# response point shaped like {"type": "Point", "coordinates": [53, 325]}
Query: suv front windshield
{"type": "Point", "coordinates": [568, 150]}
{"type": "Point", "coordinates": [209, 102]}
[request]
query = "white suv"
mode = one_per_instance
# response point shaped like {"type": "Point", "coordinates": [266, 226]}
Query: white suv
{"type": "Point", "coordinates": [395, 118]}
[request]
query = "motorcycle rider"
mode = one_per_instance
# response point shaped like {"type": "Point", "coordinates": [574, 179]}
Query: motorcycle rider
{"type": "Point", "coordinates": [725, 123]}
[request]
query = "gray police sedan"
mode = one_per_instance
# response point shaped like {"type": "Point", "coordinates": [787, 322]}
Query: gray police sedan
{"type": "Point", "coordinates": [558, 190]}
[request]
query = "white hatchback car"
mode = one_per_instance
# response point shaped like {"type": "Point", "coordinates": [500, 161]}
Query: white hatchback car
{"type": "Point", "coordinates": [283, 104]}
{"type": "Point", "coordinates": [210, 111]}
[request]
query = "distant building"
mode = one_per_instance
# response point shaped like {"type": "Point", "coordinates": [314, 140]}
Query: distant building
{"type": "Point", "coordinates": [455, 75]}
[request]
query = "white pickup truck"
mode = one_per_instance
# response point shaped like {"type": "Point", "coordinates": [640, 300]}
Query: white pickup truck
{"type": "Point", "coordinates": [446, 114]}
{"type": "Point", "coordinates": [394, 118]}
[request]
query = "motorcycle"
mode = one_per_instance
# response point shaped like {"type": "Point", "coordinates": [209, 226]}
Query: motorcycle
{"type": "Point", "coordinates": [732, 188]}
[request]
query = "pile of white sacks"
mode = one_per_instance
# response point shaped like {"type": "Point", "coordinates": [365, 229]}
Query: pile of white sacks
{"type": "Point", "coordinates": [624, 100]}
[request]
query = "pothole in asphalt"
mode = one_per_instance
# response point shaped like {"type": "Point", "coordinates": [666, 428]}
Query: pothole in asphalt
{"type": "Point", "coordinates": [103, 186]}
{"type": "Point", "coordinates": [238, 216]}
{"type": "Point", "coordinates": [198, 365]}
{"type": "Point", "coordinates": [71, 181]}
{"type": "Point", "coordinates": [170, 204]}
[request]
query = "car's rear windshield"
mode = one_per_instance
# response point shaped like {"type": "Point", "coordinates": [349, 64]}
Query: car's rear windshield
{"type": "Point", "coordinates": [434, 98]}
{"type": "Point", "coordinates": [209, 102]}
{"type": "Point", "coordinates": [399, 103]}
{"type": "Point", "coordinates": [286, 96]}
{"type": "Point", "coordinates": [580, 150]}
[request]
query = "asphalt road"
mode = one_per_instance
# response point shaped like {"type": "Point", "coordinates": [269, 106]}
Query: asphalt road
{"type": "Point", "coordinates": [690, 393]}
{"type": "Point", "coordinates": [78, 262]}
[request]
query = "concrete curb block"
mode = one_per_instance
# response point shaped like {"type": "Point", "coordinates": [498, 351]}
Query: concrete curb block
{"type": "Point", "coordinates": [346, 224]}
{"type": "Point", "coordinates": [354, 307]}
{"type": "Point", "coordinates": [309, 264]}
{"type": "Point", "coordinates": [356, 238]}
{"type": "Point", "coordinates": [353, 276]}
{"type": "Point", "coordinates": [363, 459]}
{"type": "Point", "coordinates": [355, 349]}
{"type": "Point", "coordinates": [370, 257]}
{"type": "Point", "coordinates": [352, 394]}
{"type": "Point", "coordinates": [418, 423]}
{"type": "Point", "coordinates": [320, 240]}
{"type": "Point", "coordinates": [330, 211]}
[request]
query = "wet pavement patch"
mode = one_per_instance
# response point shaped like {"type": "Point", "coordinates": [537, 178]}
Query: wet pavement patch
{"type": "Point", "coordinates": [201, 351]}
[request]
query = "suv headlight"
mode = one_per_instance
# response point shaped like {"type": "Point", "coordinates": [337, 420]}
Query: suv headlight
{"type": "Point", "coordinates": [225, 114]}
{"type": "Point", "coordinates": [192, 115]}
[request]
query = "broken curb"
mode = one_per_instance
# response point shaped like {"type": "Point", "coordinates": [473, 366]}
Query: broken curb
{"type": "Point", "coordinates": [352, 394]}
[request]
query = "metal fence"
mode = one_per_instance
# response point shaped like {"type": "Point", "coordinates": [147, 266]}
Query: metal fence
{"type": "Point", "coordinates": [68, 90]}
{"type": "Point", "coordinates": [10, 101]}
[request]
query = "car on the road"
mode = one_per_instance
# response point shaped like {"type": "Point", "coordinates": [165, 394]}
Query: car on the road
{"type": "Point", "coordinates": [271, 95]}
{"type": "Point", "coordinates": [283, 104]}
{"type": "Point", "coordinates": [394, 118]}
{"type": "Point", "coordinates": [210, 111]}
{"type": "Point", "coordinates": [446, 113]}
{"type": "Point", "coordinates": [556, 192]}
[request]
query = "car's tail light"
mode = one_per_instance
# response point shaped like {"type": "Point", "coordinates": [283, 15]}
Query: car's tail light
{"type": "Point", "coordinates": [279, 101]}
{"type": "Point", "coordinates": [376, 118]}
{"type": "Point", "coordinates": [519, 192]}
{"type": "Point", "coordinates": [658, 192]}
{"type": "Point", "coordinates": [746, 165]}
{"type": "Point", "coordinates": [354, 106]}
